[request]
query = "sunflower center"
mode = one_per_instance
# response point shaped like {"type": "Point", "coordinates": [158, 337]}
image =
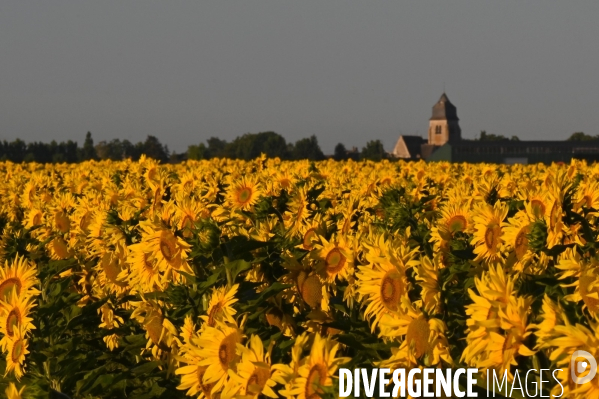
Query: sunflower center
{"type": "Point", "coordinates": [309, 237]}
{"type": "Point", "coordinates": [335, 261]}
{"type": "Point", "coordinates": [60, 248]}
{"type": "Point", "coordinates": [8, 285]}
{"type": "Point", "coordinates": [153, 325]}
{"type": "Point", "coordinates": [147, 264]}
{"type": "Point", "coordinates": [17, 351]}
{"type": "Point", "coordinates": [316, 378]}
{"type": "Point", "coordinates": [257, 381]}
{"type": "Point", "coordinates": [311, 291]}
{"type": "Point", "coordinates": [417, 336]}
{"type": "Point", "coordinates": [385, 181]}
{"type": "Point", "coordinates": [585, 282]}
{"type": "Point", "coordinates": [62, 222]}
{"type": "Point", "coordinates": [521, 244]}
{"type": "Point", "coordinates": [538, 208]}
{"type": "Point", "coordinates": [37, 219]}
{"type": "Point", "coordinates": [244, 194]}
{"type": "Point", "coordinates": [492, 235]}
{"type": "Point", "coordinates": [226, 350]}
{"type": "Point", "coordinates": [13, 320]}
{"type": "Point", "coordinates": [391, 290]}
{"type": "Point", "coordinates": [206, 388]}
{"type": "Point", "coordinates": [111, 269]}
{"type": "Point", "coordinates": [168, 247]}
{"type": "Point", "coordinates": [457, 223]}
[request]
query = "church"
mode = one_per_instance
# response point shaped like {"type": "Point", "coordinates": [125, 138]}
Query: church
{"type": "Point", "coordinates": [445, 143]}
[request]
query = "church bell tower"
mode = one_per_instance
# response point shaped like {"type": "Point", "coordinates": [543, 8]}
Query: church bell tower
{"type": "Point", "coordinates": [443, 125]}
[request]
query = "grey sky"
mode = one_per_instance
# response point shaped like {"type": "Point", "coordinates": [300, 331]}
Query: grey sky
{"type": "Point", "coordinates": [345, 71]}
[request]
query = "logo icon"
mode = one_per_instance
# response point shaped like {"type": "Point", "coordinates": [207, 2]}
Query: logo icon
{"type": "Point", "coordinates": [580, 366]}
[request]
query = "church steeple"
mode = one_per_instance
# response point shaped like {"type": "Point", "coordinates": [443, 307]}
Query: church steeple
{"type": "Point", "coordinates": [443, 125]}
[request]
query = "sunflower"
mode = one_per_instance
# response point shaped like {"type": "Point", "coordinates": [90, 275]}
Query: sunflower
{"type": "Point", "coordinates": [160, 332]}
{"type": "Point", "coordinates": [188, 330]}
{"type": "Point", "coordinates": [335, 259]}
{"type": "Point", "coordinates": [488, 234]}
{"type": "Point", "coordinates": [192, 380]}
{"type": "Point", "coordinates": [253, 375]}
{"type": "Point", "coordinates": [169, 251]}
{"type": "Point", "coordinates": [297, 212]}
{"type": "Point", "coordinates": [14, 320]}
{"type": "Point", "coordinates": [144, 273]}
{"type": "Point", "coordinates": [15, 357]}
{"type": "Point", "coordinates": [34, 218]}
{"type": "Point", "coordinates": [497, 323]}
{"type": "Point", "coordinates": [243, 193]}
{"type": "Point", "coordinates": [551, 316]}
{"type": "Point", "coordinates": [220, 308]}
{"type": "Point", "coordinates": [454, 218]}
{"type": "Point", "coordinates": [318, 369]}
{"type": "Point", "coordinates": [19, 276]}
{"type": "Point", "coordinates": [109, 322]}
{"type": "Point", "coordinates": [58, 248]}
{"type": "Point", "coordinates": [427, 275]}
{"type": "Point", "coordinates": [516, 237]}
{"type": "Point", "coordinates": [312, 290]}
{"type": "Point", "coordinates": [29, 194]}
{"type": "Point", "coordinates": [536, 202]}
{"type": "Point", "coordinates": [381, 287]}
{"type": "Point", "coordinates": [560, 344]}
{"type": "Point", "coordinates": [586, 273]}
{"type": "Point", "coordinates": [423, 339]}
{"type": "Point", "coordinates": [311, 232]}
{"type": "Point", "coordinates": [587, 195]}
{"type": "Point", "coordinates": [286, 374]}
{"type": "Point", "coordinates": [187, 212]}
{"type": "Point", "coordinates": [217, 346]}
{"type": "Point", "coordinates": [111, 274]}
{"type": "Point", "coordinates": [13, 393]}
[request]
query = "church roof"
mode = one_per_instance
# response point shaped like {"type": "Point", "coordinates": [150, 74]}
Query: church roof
{"type": "Point", "coordinates": [444, 110]}
{"type": "Point", "coordinates": [408, 147]}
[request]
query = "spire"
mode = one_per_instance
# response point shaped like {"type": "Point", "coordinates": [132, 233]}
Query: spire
{"type": "Point", "coordinates": [444, 109]}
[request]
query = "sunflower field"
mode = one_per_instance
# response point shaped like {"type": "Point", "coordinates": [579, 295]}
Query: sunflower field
{"type": "Point", "coordinates": [245, 279]}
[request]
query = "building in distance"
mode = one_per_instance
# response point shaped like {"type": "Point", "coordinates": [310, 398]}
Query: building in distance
{"type": "Point", "coordinates": [445, 143]}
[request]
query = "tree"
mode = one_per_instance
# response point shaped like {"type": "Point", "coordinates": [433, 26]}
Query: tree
{"type": "Point", "coordinates": [580, 136]}
{"type": "Point", "coordinates": [112, 150]}
{"type": "Point", "coordinates": [251, 145]}
{"type": "Point", "coordinates": [374, 151]}
{"type": "Point", "coordinates": [307, 148]}
{"type": "Point", "coordinates": [154, 149]}
{"type": "Point", "coordinates": [88, 151]}
{"type": "Point", "coordinates": [197, 151]}
{"type": "Point", "coordinates": [216, 148]}
{"type": "Point", "coordinates": [484, 136]}
{"type": "Point", "coordinates": [340, 152]}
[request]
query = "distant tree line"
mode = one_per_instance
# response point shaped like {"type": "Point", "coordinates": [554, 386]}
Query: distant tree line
{"type": "Point", "coordinates": [248, 146]}
{"type": "Point", "coordinates": [484, 136]}
{"type": "Point", "coordinates": [580, 136]}
{"type": "Point", "coordinates": [251, 145]}
{"type": "Point", "coordinates": [53, 152]}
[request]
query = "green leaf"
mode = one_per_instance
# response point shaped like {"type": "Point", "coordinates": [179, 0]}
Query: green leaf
{"type": "Point", "coordinates": [146, 368]}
